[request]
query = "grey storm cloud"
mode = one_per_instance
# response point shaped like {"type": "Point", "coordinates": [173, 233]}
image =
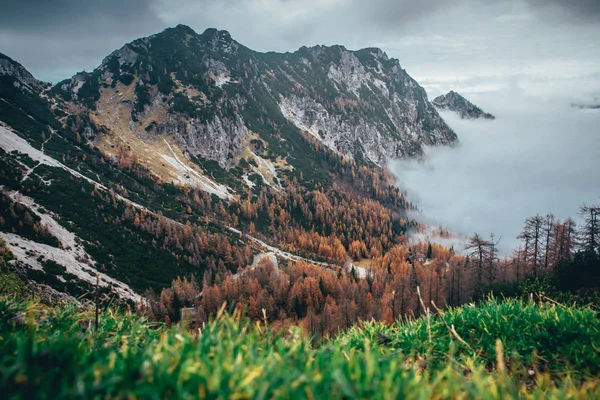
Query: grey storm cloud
{"type": "Point", "coordinates": [434, 39]}
{"type": "Point", "coordinates": [49, 16]}
{"type": "Point", "coordinates": [55, 39]}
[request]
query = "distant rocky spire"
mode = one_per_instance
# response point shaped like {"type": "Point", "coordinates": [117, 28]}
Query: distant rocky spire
{"type": "Point", "coordinates": [457, 103]}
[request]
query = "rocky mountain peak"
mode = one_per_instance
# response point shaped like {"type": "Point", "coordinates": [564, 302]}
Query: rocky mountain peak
{"type": "Point", "coordinates": [455, 102]}
{"type": "Point", "coordinates": [211, 93]}
{"type": "Point", "coordinates": [220, 41]}
{"type": "Point", "coordinates": [184, 29]}
{"type": "Point", "coordinates": [377, 53]}
{"type": "Point", "coordinates": [10, 67]}
{"type": "Point", "coordinates": [216, 34]}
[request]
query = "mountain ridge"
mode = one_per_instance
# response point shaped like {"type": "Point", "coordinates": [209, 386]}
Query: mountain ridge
{"type": "Point", "coordinates": [455, 102]}
{"type": "Point", "coordinates": [9, 66]}
{"type": "Point", "coordinates": [400, 127]}
{"type": "Point", "coordinates": [188, 154]}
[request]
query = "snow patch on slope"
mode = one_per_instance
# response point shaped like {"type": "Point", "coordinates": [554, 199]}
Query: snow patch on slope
{"type": "Point", "coordinates": [10, 141]}
{"type": "Point", "coordinates": [28, 253]}
{"type": "Point", "coordinates": [266, 169]}
{"type": "Point", "coordinates": [68, 240]}
{"type": "Point", "coordinates": [248, 182]}
{"type": "Point", "coordinates": [72, 255]}
{"type": "Point", "coordinates": [221, 80]}
{"type": "Point", "coordinates": [192, 177]}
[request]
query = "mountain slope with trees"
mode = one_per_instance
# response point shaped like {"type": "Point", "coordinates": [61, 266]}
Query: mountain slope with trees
{"type": "Point", "coordinates": [150, 166]}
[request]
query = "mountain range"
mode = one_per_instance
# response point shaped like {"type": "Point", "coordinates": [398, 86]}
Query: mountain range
{"type": "Point", "coordinates": [188, 154]}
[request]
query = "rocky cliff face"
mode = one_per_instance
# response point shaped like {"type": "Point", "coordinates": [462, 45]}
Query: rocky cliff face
{"type": "Point", "coordinates": [359, 103]}
{"type": "Point", "coordinates": [209, 92]}
{"type": "Point", "coordinates": [9, 67]}
{"type": "Point", "coordinates": [457, 103]}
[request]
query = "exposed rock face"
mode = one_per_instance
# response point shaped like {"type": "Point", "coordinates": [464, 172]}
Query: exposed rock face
{"type": "Point", "coordinates": [219, 139]}
{"type": "Point", "coordinates": [370, 106]}
{"type": "Point", "coordinates": [10, 67]}
{"type": "Point", "coordinates": [214, 91]}
{"type": "Point", "coordinates": [457, 103]}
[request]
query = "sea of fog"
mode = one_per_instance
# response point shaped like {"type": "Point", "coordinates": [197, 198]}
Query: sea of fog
{"type": "Point", "coordinates": [539, 156]}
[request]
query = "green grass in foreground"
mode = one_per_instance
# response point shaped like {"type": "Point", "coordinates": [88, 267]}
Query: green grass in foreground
{"type": "Point", "coordinates": [549, 352]}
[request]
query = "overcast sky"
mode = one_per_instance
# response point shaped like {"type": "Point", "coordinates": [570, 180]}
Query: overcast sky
{"type": "Point", "coordinates": [468, 45]}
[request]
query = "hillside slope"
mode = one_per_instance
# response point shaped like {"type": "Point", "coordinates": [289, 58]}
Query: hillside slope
{"type": "Point", "coordinates": [187, 154]}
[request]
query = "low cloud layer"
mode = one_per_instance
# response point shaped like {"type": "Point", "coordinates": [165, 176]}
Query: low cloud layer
{"type": "Point", "coordinates": [538, 156]}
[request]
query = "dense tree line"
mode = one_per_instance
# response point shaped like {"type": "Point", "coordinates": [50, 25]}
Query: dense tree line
{"type": "Point", "coordinates": [326, 300]}
{"type": "Point", "coordinates": [191, 241]}
{"type": "Point", "coordinates": [298, 220]}
{"type": "Point", "coordinates": [566, 254]}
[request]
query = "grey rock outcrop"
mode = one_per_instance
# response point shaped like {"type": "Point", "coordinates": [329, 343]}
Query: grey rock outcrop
{"type": "Point", "coordinates": [457, 103]}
